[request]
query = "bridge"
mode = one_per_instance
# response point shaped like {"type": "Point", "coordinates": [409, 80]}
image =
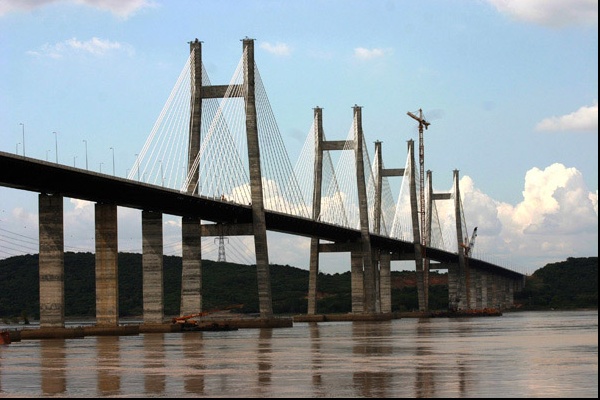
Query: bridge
{"type": "Point", "coordinates": [223, 186]}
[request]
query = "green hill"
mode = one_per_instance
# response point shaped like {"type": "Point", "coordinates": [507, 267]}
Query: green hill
{"type": "Point", "coordinates": [226, 284]}
{"type": "Point", "coordinates": [567, 284]}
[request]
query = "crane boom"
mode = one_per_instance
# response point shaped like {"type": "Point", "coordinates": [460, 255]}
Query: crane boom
{"type": "Point", "coordinates": [422, 123]}
{"type": "Point", "coordinates": [468, 246]}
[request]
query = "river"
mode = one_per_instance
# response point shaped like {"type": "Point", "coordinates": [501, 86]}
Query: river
{"type": "Point", "coordinates": [519, 354]}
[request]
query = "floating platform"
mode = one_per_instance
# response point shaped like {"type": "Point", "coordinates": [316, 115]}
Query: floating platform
{"type": "Point", "coordinates": [207, 324]}
{"type": "Point", "coordinates": [344, 317]}
{"type": "Point", "coordinates": [485, 312]}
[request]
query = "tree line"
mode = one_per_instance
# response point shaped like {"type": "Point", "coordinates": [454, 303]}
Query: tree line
{"type": "Point", "coordinates": [563, 285]}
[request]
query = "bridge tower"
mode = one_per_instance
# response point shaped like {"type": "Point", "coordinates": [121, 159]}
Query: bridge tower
{"type": "Point", "coordinates": [383, 258]}
{"type": "Point", "coordinates": [364, 275]}
{"type": "Point", "coordinates": [258, 228]}
{"type": "Point", "coordinates": [459, 298]}
{"type": "Point", "coordinates": [431, 197]}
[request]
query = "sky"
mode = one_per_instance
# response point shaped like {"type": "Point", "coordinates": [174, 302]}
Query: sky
{"type": "Point", "coordinates": [510, 88]}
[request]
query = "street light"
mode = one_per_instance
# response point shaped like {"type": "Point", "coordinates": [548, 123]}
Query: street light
{"type": "Point", "coordinates": [56, 145]}
{"type": "Point", "coordinates": [23, 125]}
{"type": "Point", "coordinates": [162, 176]}
{"type": "Point", "coordinates": [74, 158]}
{"type": "Point", "coordinates": [47, 151]}
{"type": "Point", "coordinates": [101, 167]}
{"type": "Point", "coordinates": [86, 160]}
{"type": "Point", "coordinates": [113, 159]}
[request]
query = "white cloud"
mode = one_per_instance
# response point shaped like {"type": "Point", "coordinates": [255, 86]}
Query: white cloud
{"type": "Point", "coordinates": [280, 49]}
{"type": "Point", "coordinates": [94, 46]}
{"type": "Point", "coordinates": [557, 218]}
{"type": "Point", "coordinates": [120, 8]}
{"type": "Point", "coordinates": [584, 119]}
{"type": "Point", "coordinates": [551, 13]}
{"type": "Point", "coordinates": [362, 53]}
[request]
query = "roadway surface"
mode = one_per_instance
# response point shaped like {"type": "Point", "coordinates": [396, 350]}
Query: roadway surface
{"type": "Point", "coordinates": [30, 174]}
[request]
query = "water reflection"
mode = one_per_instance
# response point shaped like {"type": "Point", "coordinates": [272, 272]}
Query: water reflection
{"type": "Point", "coordinates": [154, 351]}
{"type": "Point", "coordinates": [264, 360]}
{"type": "Point", "coordinates": [54, 380]}
{"type": "Point", "coordinates": [108, 356]}
{"type": "Point", "coordinates": [317, 357]}
{"type": "Point", "coordinates": [518, 355]}
{"type": "Point", "coordinates": [425, 380]}
{"type": "Point", "coordinates": [370, 345]}
{"type": "Point", "coordinates": [193, 350]}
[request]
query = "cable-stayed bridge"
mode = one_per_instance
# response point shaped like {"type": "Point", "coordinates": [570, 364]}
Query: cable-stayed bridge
{"type": "Point", "coordinates": [216, 158]}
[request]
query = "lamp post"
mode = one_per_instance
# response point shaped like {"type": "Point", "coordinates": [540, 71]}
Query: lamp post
{"type": "Point", "coordinates": [101, 167]}
{"type": "Point", "coordinates": [56, 145]}
{"type": "Point", "coordinates": [113, 159]}
{"type": "Point", "coordinates": [74, 158]}
{"type": "Point", "coordinates": [47, 151]}
{"type": "Point", "coordinates": [162, 176]}
{"type": "Point", "coordinates": [17, 151]}
{"type": "Point", "coordinates": [23, 126]}
{"type": "Point", "coordinates": [86, 160]}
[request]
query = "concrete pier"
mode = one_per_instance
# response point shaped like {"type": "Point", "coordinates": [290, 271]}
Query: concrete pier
{"type": "Point", "coordinates": [258, 210]}
{"type": "Point", "coordinates": [191, 260]}
{"type": "Point", "coordinates": [52, 261]}
{"type": "Point", "coordinates": [107, 265]}
{"type": "Point", "coordinates": [152, 264]}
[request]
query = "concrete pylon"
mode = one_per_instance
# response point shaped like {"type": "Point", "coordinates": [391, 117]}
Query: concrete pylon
{"type": "Point", "coordinates": [51, 261]}
{"type": "Point", "coordinates": [191, 266]}
{"type": "Point", "coordinates": [152, 267]}
{"type": "Point", "coordinates": [370, 278]}
{"type": "Point", "coordinates": [462, 297]}
{"type": "Point", "coordinates": [195, 113]}
{"type": "Point", "coordinates": [107, 265]}
{"type": "Point", "coordinates": [259, 225]}
{"type": "Point", "coordinates": [414, 211]}
{"type": "Point", "coordinates": [316, 211]}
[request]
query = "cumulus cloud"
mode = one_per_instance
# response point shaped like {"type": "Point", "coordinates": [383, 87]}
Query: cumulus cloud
{"type": "Point", "coordinates": [94, 46]}
{"type": "Point", "coordinates": [120, 8]}
{"type": "Point", "coordinates": [557, 218]}
{"type": "Point", "coordinates": [362, 53]}
{"type": "Point", "coordinates": [584, 119]}
{"type": "Point", "coordinates": [280, 49]}
{"type": "Point", "coordinates": [551, 13]}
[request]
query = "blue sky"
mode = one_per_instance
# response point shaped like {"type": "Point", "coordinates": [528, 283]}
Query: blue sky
{"type": "Point", "coordinates": [510, 88]}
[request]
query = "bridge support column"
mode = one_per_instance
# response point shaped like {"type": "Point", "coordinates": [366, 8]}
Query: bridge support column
{"type": "Point", "coordinates": [370, 271]}
{"type": "Point", "coordinates": [191, 269]}
{"type": "Point", "coordinates": [385, 284]}
{"type": "Point", "coordinates": [484, 289]}
{"type": "Point", "coordinates": [107, 265]}
{"type": "Point", "coordinates": [51, 261]}
{"type": "Point", "coordinates": [357, 282]}
{"type": "Point", "coordinates": [152, 266]}
{"type": "Point", "coordinates": [259, 225]}
{"type": "Point", "coordinates": [313, 273]}
{"type": "Point", "coordinates": [453, 287]}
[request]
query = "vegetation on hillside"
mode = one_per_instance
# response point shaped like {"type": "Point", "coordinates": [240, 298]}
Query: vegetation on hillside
{"type": "Point", "coordinates": [569, 284]}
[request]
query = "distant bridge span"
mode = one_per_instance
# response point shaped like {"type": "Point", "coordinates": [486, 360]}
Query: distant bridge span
{"type": "Point", "coordinates": [40, 176]}
{"type": "Point", "coordinates": [472, 283]}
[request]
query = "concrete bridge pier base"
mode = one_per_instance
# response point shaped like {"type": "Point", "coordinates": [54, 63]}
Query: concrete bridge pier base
{"type": "Point", "coordinates": [152, 265]}
{"type": "Point", "coordinates": [191, 269]}
{"type": "Point", "coordinates": [51, 261]}
{"type": "Point", "coordinates": [107, 265]}
{"type": "Point", "coordinates": [357, 282]}
{"type": "Point", "coordinates": [385, 285]}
